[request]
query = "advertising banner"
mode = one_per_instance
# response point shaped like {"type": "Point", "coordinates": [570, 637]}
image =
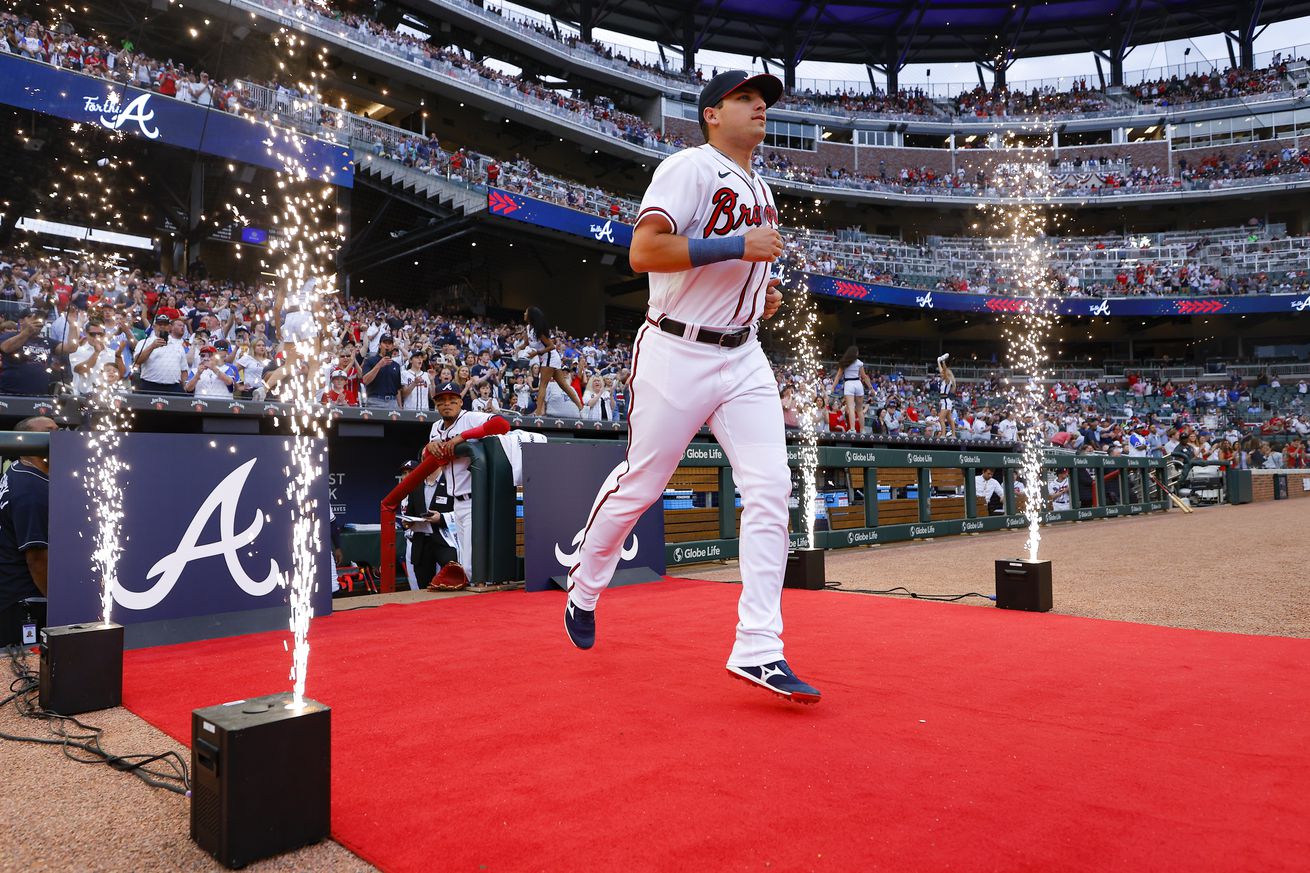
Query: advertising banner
{"type": "Point", "coordinates": [206, 536]}
{"type": "Point", "coordinates": [572, 221]}
{"type": "Point", "coordinates": [560, 484]}
{"type": "Point", "coordinates": [1105, 307]}
{"type": "Point", "coordinates": [147, 115]}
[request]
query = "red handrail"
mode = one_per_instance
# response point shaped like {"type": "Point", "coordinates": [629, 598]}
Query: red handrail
{"type": "Point", "coordinates": [430, 464]}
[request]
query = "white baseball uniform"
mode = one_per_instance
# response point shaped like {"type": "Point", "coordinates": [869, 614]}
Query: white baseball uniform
{"type": "Point", "coordinates": [679, 382]}
{"type": "Point", "coordinates": [459, 482]}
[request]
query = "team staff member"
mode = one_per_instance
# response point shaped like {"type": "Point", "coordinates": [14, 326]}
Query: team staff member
{"type": "Point", "coordinates": [456, 426]}
{"type": "Point", "coordinates": [706, 234]}
{"type": "Point", "coordinates": [163, 357]}
{"type": "Point", "coordinates": [24, 533]}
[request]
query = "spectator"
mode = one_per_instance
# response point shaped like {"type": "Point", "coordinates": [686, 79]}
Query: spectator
{"type": "Point", "coordinates": [31, 357]}
{"type": "Point", "coordinates": [162, 357]}
{"type": "Point", "coordinates": [416, 384]}
{"type": "Point", "coordinates": [92, 358]}
{"type": "Point", "coordinates": [382, 377]}
{"type": "Point", "coordinates": [212, 375]}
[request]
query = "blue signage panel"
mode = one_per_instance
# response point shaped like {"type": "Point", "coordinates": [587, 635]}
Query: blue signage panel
{"type": "Point", "coordinates": [560, 484]}
{"type": "Point", "coordinates": [572, 221]}
{"type": "Point", "coordinates": [32, 85]}
{"type": "Point", "coordinates": [206, 530]}
{"type": "Point", "coordinates": [1109, 307]}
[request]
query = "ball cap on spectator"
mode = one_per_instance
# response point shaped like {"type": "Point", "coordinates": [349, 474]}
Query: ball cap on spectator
{"type": "Point", "coordinates": [162, 318]}
{"type": "Point", "coordinates": [339, 374]}
{"type": "Point", "coordinates": [770, 87]}
{"type": "Point", "coordinates": [448, 388]}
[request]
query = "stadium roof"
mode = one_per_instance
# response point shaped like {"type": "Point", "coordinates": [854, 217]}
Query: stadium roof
{"type": "Point", "coordinates": [920, 31]}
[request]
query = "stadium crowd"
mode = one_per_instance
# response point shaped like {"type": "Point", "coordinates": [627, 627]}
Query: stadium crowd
{"type": "Point", "coordinates": [70, 324]}
{"type": "Point", "coordinates": [126, 64]}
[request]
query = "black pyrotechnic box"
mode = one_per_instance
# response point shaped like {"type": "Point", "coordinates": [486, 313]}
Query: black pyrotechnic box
{"type": "Point", "coordinates": [805, 570]}
{"type": "Point", "coordinates": [1023, 584]}
{"type": "Point", "coordinates": [260, 772]}
{"type": "Point", "coordinates": [81, 667]}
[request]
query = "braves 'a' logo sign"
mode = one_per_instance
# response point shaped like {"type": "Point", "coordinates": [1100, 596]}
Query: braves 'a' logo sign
{"type": "Point", "coordinates": [224, 499]}
{"type": "Point", "coordinates": [569, 559]}
{"type": "Point", "coordinates": [727, 216]}
{"type": "Point", "coordinates": [113, 117]}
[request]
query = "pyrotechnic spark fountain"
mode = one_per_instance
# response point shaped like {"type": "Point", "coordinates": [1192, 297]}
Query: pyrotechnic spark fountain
{"type": "Point", "coordinates": [1018, 225]}
{"type": "Point", "coordinates": [798, 320]}
{"type": "Point", "coordinates": [110, 418]}
{"type": "Point", "coordinates": [305, 242]}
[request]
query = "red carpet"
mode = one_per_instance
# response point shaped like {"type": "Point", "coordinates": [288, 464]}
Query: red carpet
{"type": "Point", "coordinates": [468, 735]}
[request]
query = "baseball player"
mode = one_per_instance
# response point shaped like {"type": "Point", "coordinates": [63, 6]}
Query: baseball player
{"type": "Point", "coordinates": [706, 234]}
{"type": "Point", "coordinates": [457, 426]}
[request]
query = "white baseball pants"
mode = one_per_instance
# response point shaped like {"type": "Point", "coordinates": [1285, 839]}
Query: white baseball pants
{"type": "Point", "coordinates": [464, 535]}
{"type": "Point", "coordinates": [677, 385]}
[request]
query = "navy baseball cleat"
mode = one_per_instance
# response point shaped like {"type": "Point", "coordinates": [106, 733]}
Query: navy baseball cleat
{"type": "Point", "coordinates": [580, 624]}
{"type": "Point", "coordinates": [778, 678]}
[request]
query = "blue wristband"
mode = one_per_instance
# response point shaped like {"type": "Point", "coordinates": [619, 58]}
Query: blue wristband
{"type": "Point", "coordinates": [711, 251]}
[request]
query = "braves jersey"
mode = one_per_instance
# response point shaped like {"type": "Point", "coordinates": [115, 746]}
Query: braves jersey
{"type": "Point", "coordinates": [459, 481]}
{"type": "Point", "coordinates": [702, 193]}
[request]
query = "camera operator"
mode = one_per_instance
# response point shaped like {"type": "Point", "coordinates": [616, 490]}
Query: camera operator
{"type": "Point", "coordinates": [24, 535]}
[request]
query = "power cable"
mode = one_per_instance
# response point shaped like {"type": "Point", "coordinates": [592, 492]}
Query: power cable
{"type": "Point", "coordinates": [82, 737]}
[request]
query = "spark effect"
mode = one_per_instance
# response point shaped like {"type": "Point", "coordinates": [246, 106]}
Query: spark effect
{"type": "Point", "coordinates": [110, 419]}
{"type": "Point", "coordinates": [799, 320]}
{"type": "Point", "coordinates": [304, 242]}
{"type": "Point", "coordinates": [1022, 250]}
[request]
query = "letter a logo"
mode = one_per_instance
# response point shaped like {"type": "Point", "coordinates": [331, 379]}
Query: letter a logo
{"type": "Point", "coordinates": [224, 498]}
{"type": "Point", "coordinates": [134, 111]}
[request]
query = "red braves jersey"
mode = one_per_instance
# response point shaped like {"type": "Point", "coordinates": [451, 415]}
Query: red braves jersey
{"type": "Point", "coordinates": [702, 193]}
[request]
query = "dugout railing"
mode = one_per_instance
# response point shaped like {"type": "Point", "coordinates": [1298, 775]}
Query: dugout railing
{"type": "Point", "coordinates": [891, 495]}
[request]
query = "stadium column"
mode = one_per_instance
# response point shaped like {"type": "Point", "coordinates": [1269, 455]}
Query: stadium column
{"type": "Point", "coordinates": [689, 42]}
{"type": "Point", "coordinates": [585, 17]}
{"type": "Point", "coordinates": [343, 220]}
{"type": "Point", "coordinates": [789, 61]}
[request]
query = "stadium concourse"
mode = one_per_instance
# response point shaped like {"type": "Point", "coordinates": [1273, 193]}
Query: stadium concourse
{"type": "Point", "coordinates": [296, 297]}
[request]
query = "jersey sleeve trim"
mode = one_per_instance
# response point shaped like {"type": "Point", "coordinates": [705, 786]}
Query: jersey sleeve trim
{"type": "Point", "coordinates": [658, 211]}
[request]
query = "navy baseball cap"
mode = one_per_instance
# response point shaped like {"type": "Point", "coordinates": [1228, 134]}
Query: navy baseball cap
{"type": "Point", "coordinates": [448, 388]}
{"type": "Point", "coordinates": [770, 87]}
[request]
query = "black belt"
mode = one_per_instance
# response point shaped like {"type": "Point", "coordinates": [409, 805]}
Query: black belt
{"type": "Point", "coordinates": [463, 496]}
{"type": "Point", "coordinates": [729, 339]}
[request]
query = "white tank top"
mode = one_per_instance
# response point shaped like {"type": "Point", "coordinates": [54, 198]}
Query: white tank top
{"type": "Point", "coordinates": [852, 373]}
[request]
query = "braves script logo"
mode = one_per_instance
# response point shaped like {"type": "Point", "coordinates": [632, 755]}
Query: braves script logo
{"type": "Point", "coordinates": [1301, 305]}
{"type": "Point", "coordinates": [925, 302]}
{"type": "Point", "coordinates": [603, 232]}
{"type": "Point", "coordinates": [570, 559]}
{"type": "Point", "coordinates": [1102, 308]}
{"type": "Point", "coordinates": [138, 110]}
{"type": "Point", "coordinates": [727, 216]}
{"type": "Point", "coordinates": [224, 498]}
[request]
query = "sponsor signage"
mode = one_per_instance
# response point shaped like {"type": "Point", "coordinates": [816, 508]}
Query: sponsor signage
{"type": "Point", "coordinates": [154, 117]}
{"type": "Point", "coordinates": [888, 295]}
{"type": "Point", "coordinates": [530, 210]}
{"type": "Point", "coordinates": [560, 485]}
{"type": "Point", "coordinates": [206, 536]}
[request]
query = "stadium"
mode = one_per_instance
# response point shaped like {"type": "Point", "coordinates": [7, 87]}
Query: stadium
{"type": "Point", "coordinates": [456, 314]}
